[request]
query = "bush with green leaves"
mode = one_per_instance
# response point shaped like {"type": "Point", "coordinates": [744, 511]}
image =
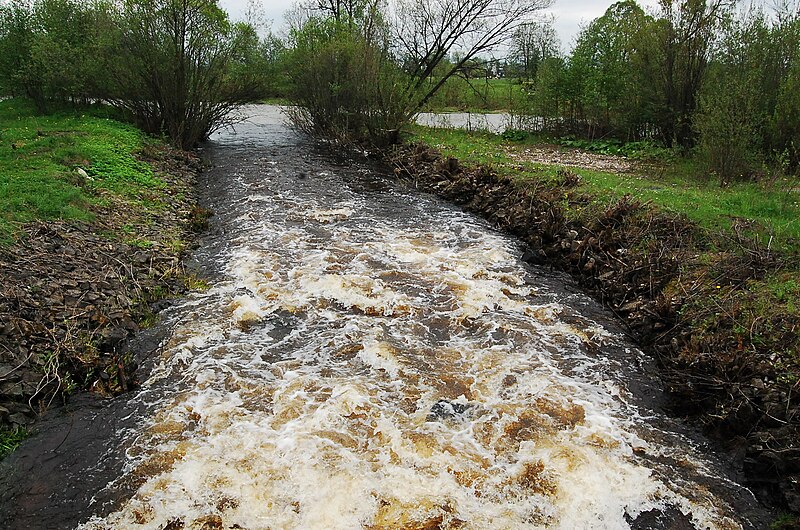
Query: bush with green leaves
{"type": "Point", "coordinates": [344, 83]}
{"type": "Point", "coordinates": [54, 50]}
{"type": "Point", "coordinates": [178, 67]}
{"type": "Point", "coordinates": [361, 71]}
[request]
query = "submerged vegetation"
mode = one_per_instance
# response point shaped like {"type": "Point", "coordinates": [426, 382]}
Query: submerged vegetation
{"type": "Point", "coordinates": [10, 439]}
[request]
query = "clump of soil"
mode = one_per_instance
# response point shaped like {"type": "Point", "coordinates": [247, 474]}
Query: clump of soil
{"type": "Point", "coordinates": [72, 292]}
{"type": "Point", "coordinates": [728, 349]}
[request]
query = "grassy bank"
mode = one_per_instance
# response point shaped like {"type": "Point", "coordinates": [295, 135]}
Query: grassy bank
{"type": "Point", "coordinates": [705, 278]}
{"type": "Point", "coordinates": [67, 164]}
{"type": "Point", "coordinates": [675, 185]}
{"type": "Point", "coordinates": [94, 217]}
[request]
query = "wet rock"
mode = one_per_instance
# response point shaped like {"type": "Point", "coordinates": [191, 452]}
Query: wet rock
{"type": "Point", "coordinates": [534, 256]}
{"type": "Point", "coordinates": [444, 410]}
{"type": "Point", "coordinates": [669, 518]}
{"type": "Point", "coordinates": [20, 419]}
{"type": "Point", "coordinates": [790, 488]}
{"type": "Point", "coordinates": [114, 335]}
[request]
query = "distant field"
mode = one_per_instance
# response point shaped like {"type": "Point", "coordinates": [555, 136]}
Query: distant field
{"type": "Point", "coordinates": [459, 94]}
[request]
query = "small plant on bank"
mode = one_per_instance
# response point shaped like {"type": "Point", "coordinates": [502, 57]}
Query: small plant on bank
{"type": "Point", "coordinates": [195, 283]}
{"type": "Point", "coordinates": [11, 439]}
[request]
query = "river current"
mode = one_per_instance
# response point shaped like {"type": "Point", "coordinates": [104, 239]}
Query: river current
{"type": "Point", "coordinates": [371, 357]}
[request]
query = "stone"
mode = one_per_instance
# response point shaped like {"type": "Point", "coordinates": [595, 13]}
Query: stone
{"type": "Point", "coordinates": [444, 409]}
{"type": "Point", "coordinates": [19, 419]}
{"type": "Point", "coordinates": [114, 334]}
{"type": "Point", "coordinates": [534, 256]}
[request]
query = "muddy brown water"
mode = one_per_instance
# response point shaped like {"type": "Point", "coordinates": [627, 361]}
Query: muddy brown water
{"type": "Point", "coordinates": [368, 357]}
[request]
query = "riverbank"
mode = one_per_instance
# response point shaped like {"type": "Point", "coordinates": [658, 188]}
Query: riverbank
{"type": "Point", "coordinates": [716, 307]}
{"type": "Point", "coordinates": [96, 217]}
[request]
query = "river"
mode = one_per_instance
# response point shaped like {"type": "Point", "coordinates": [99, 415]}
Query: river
{"type": "Point", "coordinates": [369, 357]}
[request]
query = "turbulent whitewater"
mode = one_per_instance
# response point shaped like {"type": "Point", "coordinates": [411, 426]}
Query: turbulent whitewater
{"type": "Point", "coordinates": [369, 357]}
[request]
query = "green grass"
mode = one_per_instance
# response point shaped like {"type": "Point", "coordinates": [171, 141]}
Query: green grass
{"type": "Point", "coordinates": [677, 185]}
{"type": "Point", "coordinates": [476, 95]}
{"type": "Point", "coordinates": [10, 439]}
{"type": "Point", "coordinates": [40, 157]}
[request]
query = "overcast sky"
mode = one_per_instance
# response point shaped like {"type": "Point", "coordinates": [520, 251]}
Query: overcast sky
{"type": "Point", "coordinates": [570, 14]}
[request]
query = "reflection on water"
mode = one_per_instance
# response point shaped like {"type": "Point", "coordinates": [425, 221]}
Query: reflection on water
{"type": "Point", "coordinates": [371, 358]}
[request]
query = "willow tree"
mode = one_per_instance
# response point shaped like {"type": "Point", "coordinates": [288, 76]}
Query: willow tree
{"type": "Point", "coordinates": [364, 68]}
{"type": "Point", "coordinates": [174, 70]}
{"type": "Point", "coordinates": [685, 36]}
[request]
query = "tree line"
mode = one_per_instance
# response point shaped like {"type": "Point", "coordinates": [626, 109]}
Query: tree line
{"type": "Point", "coordinates": [702, 76]}
{"type": "Point", "coordinates": [356, 70]}
{"type": "Point", "coordinates": [706, 77]}
{"type": "Point", "coordinates": [175, 67]}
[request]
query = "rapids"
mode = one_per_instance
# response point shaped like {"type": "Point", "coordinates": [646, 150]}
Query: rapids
{"type": "Point", "coordinates": [370, 357]}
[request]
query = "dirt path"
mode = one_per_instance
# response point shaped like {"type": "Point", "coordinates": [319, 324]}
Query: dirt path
{"type": "Point", "coordinates": [555, 155]}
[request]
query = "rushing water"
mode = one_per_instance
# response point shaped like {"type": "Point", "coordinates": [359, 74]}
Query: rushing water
{"type": "Point", "coordinates": [369, 357]}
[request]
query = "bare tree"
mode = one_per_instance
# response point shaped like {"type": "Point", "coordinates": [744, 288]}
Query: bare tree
{"type": "Point", "coordinates": [428, 31]}
{"type": "Point", "coordinates": [533, 42]}
{"type": "Point", "coordinates": [363, 68]}
{"type": "Point", "coordinates": [689, 30]}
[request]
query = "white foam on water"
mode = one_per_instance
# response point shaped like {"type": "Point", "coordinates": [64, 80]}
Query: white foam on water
{"type": "Point", "coordinates": [418, 381]}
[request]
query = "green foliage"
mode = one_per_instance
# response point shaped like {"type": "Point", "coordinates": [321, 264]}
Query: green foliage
{"type": "Point", "coordinates": [532, 44]}
{"type": "Point", "coordinates": [785, 522]}
{"type": "Point", "coordinates": [515, 135]}
{"type": "Point", "coordinates": [600, 68]}
{"type": "Point", "coordinates": [345, 85]}
{"type": "Point", "coordinates": [718, 83]}
{"type": "Point", "coordinates": [41, 155]}
{"type": "Point", "coordinates": [642, 150]}
{"type": "Point", "coordinates": [177, 70]}
{"type": "Point", "coordinates": [53, 50]}
{"type": "Point", "coordinates": [178, 67]}
{"type": "Point", "coordinates": [749, 105]}
{"type": "Point", "coordinates": [728, 129]}
{"type": "Point", "coordinates": [360, 76]}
